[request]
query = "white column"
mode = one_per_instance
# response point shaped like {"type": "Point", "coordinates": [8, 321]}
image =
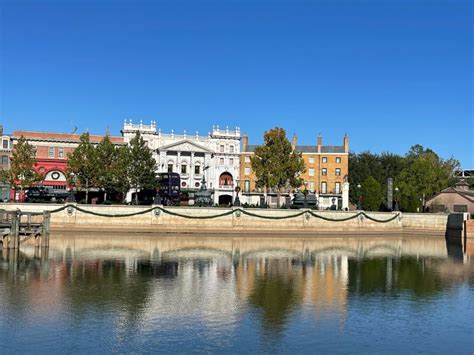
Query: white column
{"type": "Point", "coordinates": [345, 195]}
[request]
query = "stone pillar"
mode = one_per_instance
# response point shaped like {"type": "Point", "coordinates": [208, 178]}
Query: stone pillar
{"type": "Point", "coordinates": [345, 195]}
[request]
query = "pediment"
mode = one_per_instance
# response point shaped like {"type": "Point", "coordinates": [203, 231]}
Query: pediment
{"type": "Point", "coordinates": [185, 146]}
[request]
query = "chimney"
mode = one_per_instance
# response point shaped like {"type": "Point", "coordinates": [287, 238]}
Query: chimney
{"type": "Point", "coordinates": [245, 142]}
{"type": "Point", "coordinates": [346, 143]}
{"type": "Point", "coordinates": [294, 141]}
{"type": "Point", "coordinates": [320, 142]}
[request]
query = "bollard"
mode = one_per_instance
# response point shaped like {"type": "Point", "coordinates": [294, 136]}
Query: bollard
{"type": "Point", "coordinates": [45, 229]}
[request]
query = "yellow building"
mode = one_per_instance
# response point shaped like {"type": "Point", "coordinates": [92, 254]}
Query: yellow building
{"type": "Point", "coordinates": [327, 168]}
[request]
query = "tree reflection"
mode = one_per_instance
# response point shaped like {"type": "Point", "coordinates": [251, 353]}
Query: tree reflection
{"type": "Point", "coordinates": [276, 294]}
{"type": "Point", "coordinates": [387, 275]}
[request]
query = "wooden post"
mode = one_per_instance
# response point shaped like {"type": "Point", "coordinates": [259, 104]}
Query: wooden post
{"type": "Point", "coordinates": [45, 229]}
{"type": "Point", "coordinates": [15, 231]}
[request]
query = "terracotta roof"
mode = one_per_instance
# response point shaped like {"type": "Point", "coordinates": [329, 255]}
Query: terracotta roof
{"type": "Point", "coordinates": [62, 137]}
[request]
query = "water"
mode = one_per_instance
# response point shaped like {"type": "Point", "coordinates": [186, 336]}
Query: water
{"type": "Point", "coordinates": [148, 294]}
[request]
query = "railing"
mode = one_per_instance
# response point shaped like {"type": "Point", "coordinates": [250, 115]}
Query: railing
{"type": "Point", "coordinates": [230, 187]}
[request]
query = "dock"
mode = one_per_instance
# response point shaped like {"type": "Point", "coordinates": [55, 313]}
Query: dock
{"type": "Point", "coordinates": [16, 227]}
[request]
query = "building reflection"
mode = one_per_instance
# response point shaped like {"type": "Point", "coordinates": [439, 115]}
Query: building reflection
{"type": "Point", "coordinates": [151, 281]}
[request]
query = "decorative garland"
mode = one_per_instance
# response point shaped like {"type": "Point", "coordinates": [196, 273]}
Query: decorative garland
{"type": "Point", "coordinates": [238, 211]}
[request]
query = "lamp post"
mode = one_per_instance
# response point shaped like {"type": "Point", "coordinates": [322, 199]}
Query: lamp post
{"type": "Point", "coordinates": [71, 198]}
{"type": "Point", "coordinates": [237, 190]}
{"type": "Point", "coordinates": [359, 202]}
{"type": "Point", "coordinates": [396, 208]}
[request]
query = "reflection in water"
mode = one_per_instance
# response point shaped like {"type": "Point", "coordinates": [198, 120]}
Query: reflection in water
{"type": "Point", "coordinates": [143, 291]}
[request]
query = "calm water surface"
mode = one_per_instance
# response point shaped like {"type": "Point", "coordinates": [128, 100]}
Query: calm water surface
{"type": "Point", "coordinates": [143, 294]}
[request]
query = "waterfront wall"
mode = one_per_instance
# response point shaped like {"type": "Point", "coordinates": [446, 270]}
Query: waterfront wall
{"type": "Point", "coordinates": [199, 220]}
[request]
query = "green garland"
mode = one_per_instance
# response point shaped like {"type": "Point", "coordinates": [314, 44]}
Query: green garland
{"type": "Point", "coordinates": [237, 210]}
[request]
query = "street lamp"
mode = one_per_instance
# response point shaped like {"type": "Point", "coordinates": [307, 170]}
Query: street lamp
{"type": "Point", "coordinates": [71, 198]}
{"type": "Point", "coordinates": [359, 202]}
{"type": "Point", "coordinates": [237, 200]}
{"type": "Point", "coordinates": [397, 208]}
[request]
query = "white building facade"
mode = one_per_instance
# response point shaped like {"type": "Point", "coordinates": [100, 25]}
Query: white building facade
{"type": "Point", "coordinates": [214, 157]}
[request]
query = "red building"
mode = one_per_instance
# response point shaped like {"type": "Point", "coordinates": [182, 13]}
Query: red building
{"type": "Point", "coordinates": [52, 150]}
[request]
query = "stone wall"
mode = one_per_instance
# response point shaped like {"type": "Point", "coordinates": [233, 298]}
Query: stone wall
{"type": "Point", "coordinates": [161, 221]}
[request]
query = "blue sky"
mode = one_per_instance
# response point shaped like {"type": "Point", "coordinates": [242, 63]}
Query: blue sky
{"type": "Point", "coordinates": [390, 74]}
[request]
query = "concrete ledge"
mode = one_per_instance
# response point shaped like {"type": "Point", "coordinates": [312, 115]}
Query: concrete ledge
{"type": "Point", "coordinates": [160, 222]}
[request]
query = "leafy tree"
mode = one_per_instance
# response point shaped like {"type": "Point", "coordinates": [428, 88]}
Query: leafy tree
{"type": "Point", "coordinates": [380, 167]}
{"type": "Point", "coordinates": [121, 182]}
{"type": "Point", "coordinates": [21, 173]}
{"type": "Point", "coordinates": [424, 175]}
{"type": "Point", "coordinates": [142, 165]}
{"type": "Point", "coordinates": [275, 163]}
{"type": "Point", "coordinates": [82, 165]}
{"type": "Point", "coordinates": [372, 195]}
{"type": "Point", "coordinates": [106, 173]}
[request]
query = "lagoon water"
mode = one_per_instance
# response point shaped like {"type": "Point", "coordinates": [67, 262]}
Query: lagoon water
{"type": "Point", "coordinates": [180, 294]}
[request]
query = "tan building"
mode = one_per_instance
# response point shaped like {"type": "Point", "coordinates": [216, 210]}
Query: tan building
{"type": "Point", "coordinates": [453, 199]}
{"type": "Point", "coordinates": [327, 168]}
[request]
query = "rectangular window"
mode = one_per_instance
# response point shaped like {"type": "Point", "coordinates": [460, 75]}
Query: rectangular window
{"type": "Point", "coordinates": [221, 161]}
{"type": "Point", "coordinates": [247, 186]}
{"type": "Point", "coordinates": [311, 172]}
{"type": "Point", "coordinates": [61, 153]}
{"type": "Point", "coordinates": [231, 148]}
{"type": "Point", "coordinates": [324, 172]}
{"type": "Point", "coordinates": [222, 149]}
{"type": "Point", "coordinates": [183, 169]}
{"type": "Point", "coordinates": [247, 171]}
{"type": "Point", "coordinates": [170, 168]}
{"type": "Point", "coordinates": [325, 159]}
{"type": "Point", "coordinates": [311, 186]}
{"type": "Point", "coordinates": [51, 152]}
{"type": "Point", "coordinates": [311, 160]}
{"type": "Point", "coordinates": [231, 161]}
{"type": "Point", "coordinates": [247, 159]}
{"type": "Point", "coordinates": [197, 169]}
{"type": "Point", "coordinates": [338, 160]}
{"type": "Point", "coordinates": [337, 188]}
{"type": "Point", "coordinates": [5, 160]}
{"type": "Point", "coordinates": [338, 172]}
{"type": "Point", "coordinates": [5, 144]}
{"type": "Point", "coordinates": [324, 187]}
{"type": "Point", "coordinates": [459, 208]}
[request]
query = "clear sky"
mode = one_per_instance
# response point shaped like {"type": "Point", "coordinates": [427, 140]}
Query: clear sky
{"type": "Point", "coordinates": [390, 74]}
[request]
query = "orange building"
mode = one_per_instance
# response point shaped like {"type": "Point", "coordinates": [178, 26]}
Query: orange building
{"type": "Point", "coordinates": [326, 173]}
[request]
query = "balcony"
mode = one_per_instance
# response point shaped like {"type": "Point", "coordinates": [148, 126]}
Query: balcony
{"type": "Point", "coordinates": [227, 187]}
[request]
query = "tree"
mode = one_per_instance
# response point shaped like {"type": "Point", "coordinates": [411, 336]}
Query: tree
{"type": "Point", "coordinates": [380, 167]}
{"type": "Point", "coordinates": [372, 194]}
{"type": "Point", "coordinates": [21, 173]}
{"type": "Point", "coordinates": [275, 163]}
{"type": "Point", "coordinates": [121, 169]}
{"type": "Point", "coordinates": [142, 165]}
{"type": "Point", "coordinates": [424, 175]}
{"type": "Point", "coordinates": [106, 173]}
{"type": "Point", "coordinates": [82, 165]}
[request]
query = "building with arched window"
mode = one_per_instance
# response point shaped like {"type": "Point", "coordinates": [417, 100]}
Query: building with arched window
{"type": "Point", "coordinates": [214, 157]}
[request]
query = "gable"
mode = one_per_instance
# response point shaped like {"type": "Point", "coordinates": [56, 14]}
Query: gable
{"type": "Point", "coordinates": [185, 146]}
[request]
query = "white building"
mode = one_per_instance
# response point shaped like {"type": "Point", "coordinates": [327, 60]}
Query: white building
{"type": "Point", "coordinates": [214, 156]}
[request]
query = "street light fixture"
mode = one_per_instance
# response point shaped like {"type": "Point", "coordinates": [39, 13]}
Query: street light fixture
{"type": "Point", "coordinates": [396, 208]}
{"type": "Point", "coordinates": [359, 202]}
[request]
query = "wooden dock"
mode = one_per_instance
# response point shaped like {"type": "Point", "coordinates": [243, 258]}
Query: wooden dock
{"type": "Point", "coordinates": [17, 227]}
